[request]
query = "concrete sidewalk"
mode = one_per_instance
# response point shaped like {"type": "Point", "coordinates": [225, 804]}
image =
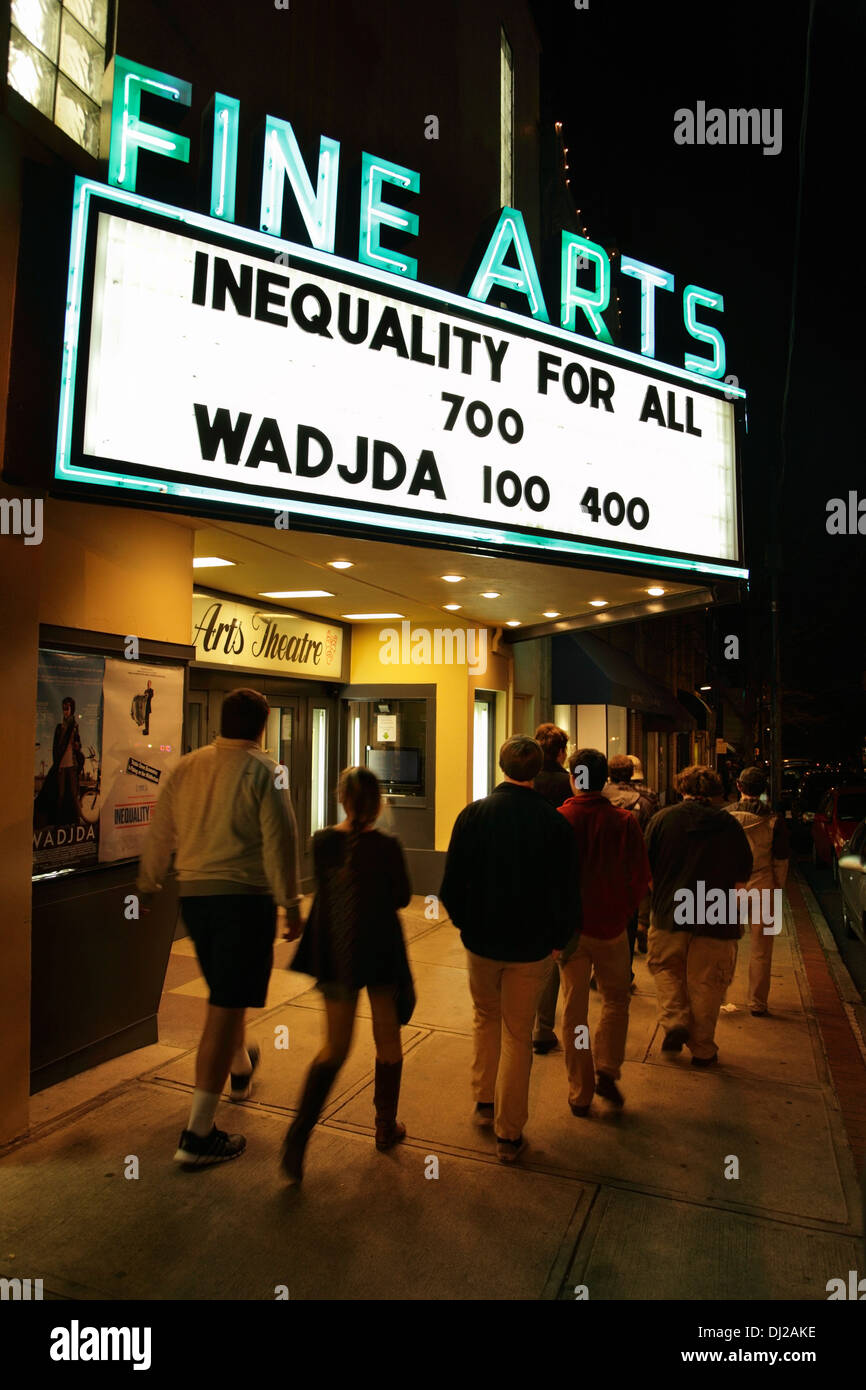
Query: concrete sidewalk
{"type": "Point", "coordinates": [633, 1205]}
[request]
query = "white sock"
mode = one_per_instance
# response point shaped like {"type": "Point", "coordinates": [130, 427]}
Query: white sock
{"type": "Point", "coordinates": [201, 1115]}
{"type": "Point", "coordinates": [241, 1064]}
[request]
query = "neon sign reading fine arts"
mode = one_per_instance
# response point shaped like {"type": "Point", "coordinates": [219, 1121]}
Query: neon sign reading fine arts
{"type": "Point", "coordinates": [580, 303]}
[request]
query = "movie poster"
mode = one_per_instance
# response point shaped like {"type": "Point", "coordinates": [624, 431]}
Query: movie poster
{"type": "Point", "coordinates": [66, 769]}
{"type": "Point", "coordinates": [142, 724]}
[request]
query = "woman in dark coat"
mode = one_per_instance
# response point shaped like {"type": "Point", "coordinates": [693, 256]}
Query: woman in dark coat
{"type": "Point", "coordinates": [353, 941]}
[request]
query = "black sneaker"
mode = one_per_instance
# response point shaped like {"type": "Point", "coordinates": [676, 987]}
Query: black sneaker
{"type": "Point", "coordinates": [675, 1040]}
{"type": "Point", "coordinates": [483, 1114]}
{"type": "Point", "coordinates": [241, 1082]}
{"type": "Point", "coordinates": [193, 1151]}
{"type": "Point", "coordinates": [706, 1061]}
{"type": "Point", "coordinates": [606, 1087]}
{"type": "Point", "coordinates": [545, 1045]}
{"type": "Point", "coordinates": [509, 1150]}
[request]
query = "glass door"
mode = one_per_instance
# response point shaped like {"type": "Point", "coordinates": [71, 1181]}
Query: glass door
{"type": "Point", "coordinates": [483, 744]}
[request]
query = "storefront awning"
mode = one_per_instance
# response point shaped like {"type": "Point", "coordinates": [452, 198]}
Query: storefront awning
{"type": "Point", "coordinates": [587, 671]}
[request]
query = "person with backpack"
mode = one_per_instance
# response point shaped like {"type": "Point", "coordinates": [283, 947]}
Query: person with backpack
{"type": "Point", "coordinates": [768, 839]}
{"type": "Point", "coordinates": [353, 941]}
{"type": "Point", "coordinates": [621, 791]}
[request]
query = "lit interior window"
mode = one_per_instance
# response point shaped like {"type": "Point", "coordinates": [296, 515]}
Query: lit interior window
{"type": "Point", "coordinates": [57, 60]}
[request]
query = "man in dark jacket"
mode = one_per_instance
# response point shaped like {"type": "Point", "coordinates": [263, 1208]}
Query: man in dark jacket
{"type": "Point", "coordinates": [697, 861]}
{"type": "Point", "coordinates": [554, 784]}
{"type": "Point", "coordinates": [512, 889]}
{"type": "Point", "coordinates": [552, 781]}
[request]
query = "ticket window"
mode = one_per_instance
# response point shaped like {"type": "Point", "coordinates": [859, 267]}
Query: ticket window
{"type": "Point", "coordinates": [394, 736]}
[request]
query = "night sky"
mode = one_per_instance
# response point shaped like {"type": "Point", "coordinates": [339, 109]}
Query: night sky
{"type": "Point", "coordinates": [724, 217]}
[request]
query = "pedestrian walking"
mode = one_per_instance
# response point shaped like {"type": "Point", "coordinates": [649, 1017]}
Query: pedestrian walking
{"type": "Point", "coordinates": [227, 818]}
{"type": "Point", "coordinates": [614, 875]}
{"type": "Point", "coordinates": [621, 791]}
{"type": "Point", "coordinates": [640, 784]}
{"type": "Point", "coordinates": [512, 888]}
{"type": "Point", "coordinates": [353, 941]}
{"type": "Point", "coordinates": [553, 781]}
{"type": "Point", "coordinates": [697, 853]}
{"type": "Point", "coordinates": [768, 840]}
{"type": "Point", "coordinates": [554, 784]}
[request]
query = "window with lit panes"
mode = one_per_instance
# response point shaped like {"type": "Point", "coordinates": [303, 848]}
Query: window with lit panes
{"type": "Point", "coordinates": [57, 60]}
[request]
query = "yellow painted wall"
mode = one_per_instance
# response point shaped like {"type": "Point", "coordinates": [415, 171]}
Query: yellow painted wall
{"type": "Point", "coordinates": [455, 689]}
{"type": "Point", "coordinates": [19, 586]}
{"type": "Point", "coordinates": [117, 569]}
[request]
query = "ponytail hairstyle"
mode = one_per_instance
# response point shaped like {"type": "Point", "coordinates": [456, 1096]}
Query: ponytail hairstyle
{"type": "Point", "coordinates": [360, 796]}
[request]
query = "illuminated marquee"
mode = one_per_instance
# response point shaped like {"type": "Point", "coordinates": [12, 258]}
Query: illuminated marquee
{"type": "Point", "coordinates": [580, 303]}
{"type": "Point", "coordinates": [205, 371]}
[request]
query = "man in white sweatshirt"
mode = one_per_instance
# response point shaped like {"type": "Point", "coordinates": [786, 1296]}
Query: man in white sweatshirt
{"type": "Point", "coordinates": [226, 815]}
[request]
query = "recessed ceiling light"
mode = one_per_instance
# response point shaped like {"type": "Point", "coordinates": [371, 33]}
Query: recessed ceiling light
{"type": "Point", "coordinates": [655, 591]}
{"type": "Point", "coordinates": [706, 687]}
{"type": "Point", "coordinates": [452, 607]}
{"type": "Point", "coordinates": [453, 578]}
{"type": "Point", "coordinates": [368, 617]}
{"type": "Point", "coordinates": [491, 593]}
{"type": "Point", "coordinates": [202, 562]}
{"type": "Point", "coordinates": [513, 622]}
{"type": "Point", "coordinates": [297, 593]}
{"type": "Point", "coordinates": [341, 564]}
{"type": "Point", "coordinates": [598, 603]}
{"type": "Point", "coordinates": [550, 614]}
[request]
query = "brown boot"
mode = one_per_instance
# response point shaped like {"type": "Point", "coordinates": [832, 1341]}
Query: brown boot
{"type": "Point", "coordinates": [385, 1098]}
{"type": "Point", "coordinates": [320, 1079]}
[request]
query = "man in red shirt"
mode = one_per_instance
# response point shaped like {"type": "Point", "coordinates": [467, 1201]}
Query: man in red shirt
{"type": "Point", "coordinates": [614, 875]}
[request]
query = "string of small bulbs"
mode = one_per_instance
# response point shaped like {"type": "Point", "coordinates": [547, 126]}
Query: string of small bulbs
{"type": "Point", "coordinates": [565, 166]}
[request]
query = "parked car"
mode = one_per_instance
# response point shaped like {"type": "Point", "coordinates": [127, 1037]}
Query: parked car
{"type": "Point", "coordinates": [791, 779]}
{"type": "Point", "coordinates": [838, 815]}
{"type": "Point", "coordinates": [812, 789]}
{"type": "Point", "coordinates": [852, 883]}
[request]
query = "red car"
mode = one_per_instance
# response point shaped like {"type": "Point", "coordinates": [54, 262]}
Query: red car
{"type": "Point", "coordinates": [839, 812]}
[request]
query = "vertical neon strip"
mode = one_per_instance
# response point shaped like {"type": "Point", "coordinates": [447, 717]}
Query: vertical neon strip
{"type": "Point", "coordinates": [592, 303]}
{"type": "Point", "coordinates": [375, 172]}
{"type": "Point", "coordinates": [318, 207]}
{"type": "Point", "coordinates": [510, 232]}
{"type": "Point", "coordinates": [693, 295]}
{"type": "Point", "coordinates": [226, 121]}
{"type": "Point", "coordinates": [129, 133]}
{"type": "Point", "coordinates": [651, 279]}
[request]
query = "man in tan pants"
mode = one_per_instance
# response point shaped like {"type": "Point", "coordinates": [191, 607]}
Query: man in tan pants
{"type": "Point", "coordinates": [511, 918]}
{"type": "Point", "coordinates": [698, 853]}
{"type": "Point", "coordinates": [614, 878]}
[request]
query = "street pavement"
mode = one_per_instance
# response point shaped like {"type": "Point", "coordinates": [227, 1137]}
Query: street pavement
{"type": "Point", "coordinates": [739, 1182]}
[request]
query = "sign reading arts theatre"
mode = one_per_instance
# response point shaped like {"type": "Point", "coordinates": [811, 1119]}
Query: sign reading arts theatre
{"type": "Point", "coordinates": [226, 633]}
{"type": "Point", "coordinates": [209, 365]}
